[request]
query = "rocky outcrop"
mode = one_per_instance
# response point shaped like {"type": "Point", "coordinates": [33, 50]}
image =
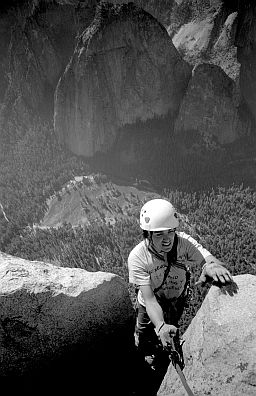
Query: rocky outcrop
{"type": "Point", "coordinates": [206, 33]}
{"type": "Point", "coordinates": [209, 113]}
{"type": "Point", "coordinates": [55, 320]}
{"type": "Point", "coordinates": [219, 350]}
{"type": "Point", "coordinates": [221, 32]}
{"type": "Point", "coordinates": [125, 69]}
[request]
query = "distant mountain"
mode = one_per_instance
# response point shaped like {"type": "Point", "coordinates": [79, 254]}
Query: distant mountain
{"type": "Point", "coordinates": [161, 89]}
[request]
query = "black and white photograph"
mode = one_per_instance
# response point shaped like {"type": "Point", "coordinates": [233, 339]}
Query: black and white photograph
{"type": "Point", "coordinates": [128, 197]}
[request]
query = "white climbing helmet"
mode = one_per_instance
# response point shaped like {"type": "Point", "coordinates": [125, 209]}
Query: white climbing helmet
{"type": "Point", "coordinates": [158, 215]}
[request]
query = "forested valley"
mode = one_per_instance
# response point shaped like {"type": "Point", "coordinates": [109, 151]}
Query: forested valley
{"type": "Point", "coordinates": [36, 167]}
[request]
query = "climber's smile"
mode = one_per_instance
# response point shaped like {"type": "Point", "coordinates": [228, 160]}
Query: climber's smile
{"type": "Point", "coordinates": [163, 240]}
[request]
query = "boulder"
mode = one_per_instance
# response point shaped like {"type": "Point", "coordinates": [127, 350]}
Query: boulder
{"type": "Point", "coordinates": [209, 111]}
{"type": "Point", "coordinates": [220, 344]}
{"type": "Point", "coordinates": [125, 71]}
{"type": "Point", "coordinates": [57, 320]}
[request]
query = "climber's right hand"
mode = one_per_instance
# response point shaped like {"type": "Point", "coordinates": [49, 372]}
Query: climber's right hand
{"type": "Point", "coordinates": [165, 333]}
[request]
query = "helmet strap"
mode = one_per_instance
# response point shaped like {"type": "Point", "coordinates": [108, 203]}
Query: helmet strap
{"type": "Point", "coordinates": [150, 239]}
{"type": "Point", "coordinates": [151, 247]}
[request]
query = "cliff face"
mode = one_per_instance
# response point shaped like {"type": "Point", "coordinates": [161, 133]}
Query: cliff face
{"type": "Point", "coordinates": [125, 68]}
{"type": "Point", "coordinates": [210, 109]}
{"type": "Point", "coordinates": [161, 10]}
{"type": "Point", "coordinates": [36, 44]}
{"type": "Point", "coordinates": [221, 32]}
{"type": "Point", "coordinates": [205, 32]}
{"type": "Point", "coordinates": [120, 84]}
{"type": "Point", "coordinates": [246, 52]}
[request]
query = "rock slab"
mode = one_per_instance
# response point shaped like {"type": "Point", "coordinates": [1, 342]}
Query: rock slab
{"type": "Point", "coordinates": [220, 346]}
{"type": "Point", "coordinates": [48, 313]}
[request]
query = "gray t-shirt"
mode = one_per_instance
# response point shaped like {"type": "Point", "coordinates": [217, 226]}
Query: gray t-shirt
{"type": "Point", "coordinates": [146, 269]}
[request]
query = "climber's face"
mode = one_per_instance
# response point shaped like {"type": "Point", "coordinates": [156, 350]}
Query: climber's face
{"type": "Point", "coordinates": [163, 240]}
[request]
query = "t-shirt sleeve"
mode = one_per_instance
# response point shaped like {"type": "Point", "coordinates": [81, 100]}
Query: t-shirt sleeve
{"type": "Point", "coordinates": [137, 271]}
{"type": "Point", "coordinates": [205, 253]}
{"type": "Point", "coordinates": [193, 254]}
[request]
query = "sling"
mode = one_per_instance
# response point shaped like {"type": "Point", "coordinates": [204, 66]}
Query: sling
{"type": "Point", "coordinates": [171, 259]}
